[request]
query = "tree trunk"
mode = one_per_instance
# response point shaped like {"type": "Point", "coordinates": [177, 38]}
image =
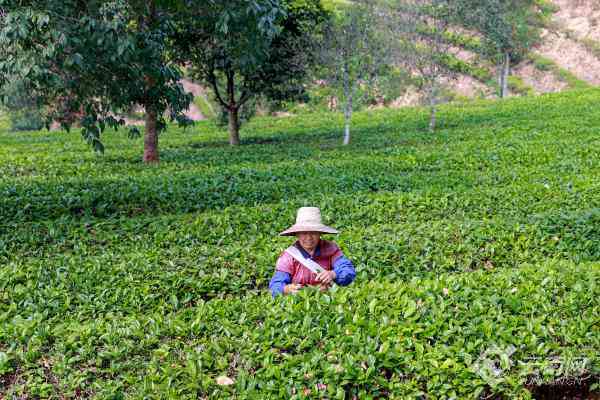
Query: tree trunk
{"type": "Point", "coordinates": [151, 137]}
{"type": "Point", "coordinates": [432, 117]}
{"type": "Point", "coordinates": [233, 110]}
{"type": "Point", "coordinates": [348, 106]}
{"type": "Point", "coordinates": [499, 75]}
{"type": "Point", "coordinates": [432, 109]}
{"type": "Point", "coordinates": [347, 118]}
{"type": "Point", "coordinates": [505, 71]}
{"type": "Point", "coordinates": [234, 127]}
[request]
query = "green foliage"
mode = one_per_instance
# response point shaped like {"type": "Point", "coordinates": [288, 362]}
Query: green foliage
{"type": "Point", "coordinates": [247, 49]}
{"type": "Point", "coordinates": [4, 120]}
{"type": "Point", "coordinates": [542, 63]}
{"type": "Point", "coordinates": [390, 84]}
{"type": "Point", "coordinates": [245, 113]}
{"type": "Point", "coordinates": [205, 105]}
{"type": "Point", "coordinates": [573, 81]}
{"type": "Point", "coordinates": [26, 120]}
{"type": "Point", "coordinates": [545, 64]}
{"type": "Point", "coordinates": [507, 26]}
{"type": "Point", "coordinates": [467, 42]}
{"type": "Point", "coordinates": [17, 98]}
{"type": "Point", "coordinates": [457, 65]}
{"type": "Point", "coordinates": [88, 61]}
{"type": "Point", "coordinates": [117, 281]}
{"type": "Point", "coordinates": [516, 85]}
{"type": "Point", "coordinates": [355, 53]}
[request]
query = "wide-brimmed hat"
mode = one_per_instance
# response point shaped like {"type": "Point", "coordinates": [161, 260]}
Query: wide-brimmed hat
{"type": "Point", "coordinates": [308, 219]}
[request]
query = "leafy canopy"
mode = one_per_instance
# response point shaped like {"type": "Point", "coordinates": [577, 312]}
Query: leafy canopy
{"type": "Point", "coordinates": [244, 49]}
{"type": "Point", "coordinates": [93, 60]}
{"type": "Point", "coordinates": [508, 26]}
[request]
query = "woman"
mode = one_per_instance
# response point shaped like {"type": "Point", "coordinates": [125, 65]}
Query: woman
{"type": "Point", "coordinates": [310, 260]}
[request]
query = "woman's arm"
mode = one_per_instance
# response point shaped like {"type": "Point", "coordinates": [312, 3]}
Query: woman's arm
{"type": "Point", "coordinates": [278, 282]}
{"type": "Point", "coordinates": [344, 271]}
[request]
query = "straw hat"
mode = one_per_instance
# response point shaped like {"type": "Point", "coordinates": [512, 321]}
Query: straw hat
{"type": "Point", "coordinates": [308, 219]}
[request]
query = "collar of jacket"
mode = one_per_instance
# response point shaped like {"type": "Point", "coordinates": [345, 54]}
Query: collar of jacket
{"type": "Point", "coordinates": [305, 253]}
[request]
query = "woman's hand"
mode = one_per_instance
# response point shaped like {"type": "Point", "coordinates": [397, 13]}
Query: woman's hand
{"type": "Point", "coordinates": [292, 288]}
{"type": "Point", "coordinates": [326, 277]}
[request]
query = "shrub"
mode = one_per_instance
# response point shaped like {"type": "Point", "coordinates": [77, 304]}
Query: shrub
{"type": "Point", "coordinates": [206, 107]}
{"type": "Point", "coordinates": [543, 64]}
{"type": "Point", "coordinates": [20, 103]}
{"type": "Point", "coordinates": [26, 120]}
{"type": "Point", "coordinates": [4, 120]}
{"type": "Point", "coordinates": [516, 85]}
{"type": "Point", "coordinates": [457, 65]}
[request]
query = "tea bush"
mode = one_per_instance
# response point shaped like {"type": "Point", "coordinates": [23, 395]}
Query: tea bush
{"type": "Point", "coordinates": [518, 86]}
{"type": "Point", "coordinates": [20, 106]}
{"type": "Point", "coordinates": [4, 120]}
{"type": "Point", "coordinates": [122, 280]}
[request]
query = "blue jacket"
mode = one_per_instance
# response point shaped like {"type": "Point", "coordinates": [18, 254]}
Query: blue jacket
{"type": "Point", "coordinates": [342, 266]}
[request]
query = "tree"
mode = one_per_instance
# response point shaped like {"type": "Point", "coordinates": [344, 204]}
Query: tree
{"type": "Point", "coordinates": [19, 101]}
{"type": "Point", "coordinates": [354, 52]}
{"type": "Point", "coordinates": [243, 49]}
{"type": "Point", "coordinates": [510, 29]}
{"type": "Point", "coordinates": [95, 60]}
{"type": "Point", "coordinates": [422, 26]}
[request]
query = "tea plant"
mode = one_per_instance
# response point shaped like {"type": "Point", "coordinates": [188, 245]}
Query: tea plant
{"type": "Point", "coordinates": [477, 244]}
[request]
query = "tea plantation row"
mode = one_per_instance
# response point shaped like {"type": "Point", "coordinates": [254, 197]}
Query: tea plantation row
{"type": "Point", "coordinates": [458, 336]}
{"type": "Point", "coordinates": [175, 268]}
{"type": "Point", "coordinates": [121, 278]}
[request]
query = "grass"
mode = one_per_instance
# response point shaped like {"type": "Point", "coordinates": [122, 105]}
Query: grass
{"type": "Point", "coordinates": [479, 242]}
{"type": "Point", "coordinates": [465, 41]}
{"type": "Point", "coordinates": [205, 106]}
{"type": "Point", "coordinates": [4, 122]}
{"type": "Point", "coordinates": [457, 65]}
{"type": "Point", "coordinates": [545, 64]}
{"type": "Point", "coordinates": [518, 86]}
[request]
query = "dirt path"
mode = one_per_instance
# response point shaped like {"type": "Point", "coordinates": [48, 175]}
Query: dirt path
{"type": "Point", "coordinates": [193, 112]}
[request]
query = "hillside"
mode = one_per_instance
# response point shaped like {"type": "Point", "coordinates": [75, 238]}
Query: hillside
{"type": "Point", "coordinates": [568, 57]}
{"type": "Point", "coordinates": [476, 251]}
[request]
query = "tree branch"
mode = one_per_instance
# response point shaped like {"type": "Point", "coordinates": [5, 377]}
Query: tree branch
{"type": "Point", "coordinates": [231, 88]}
{"type": "Point", "coordinates": [212, 79]}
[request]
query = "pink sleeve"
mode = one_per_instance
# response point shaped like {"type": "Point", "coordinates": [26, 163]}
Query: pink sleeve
{"type": "Point", "coordinates": [285, 263]}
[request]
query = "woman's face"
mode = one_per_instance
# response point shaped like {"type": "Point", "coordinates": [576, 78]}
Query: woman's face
{"type": "Point", "coordinates": [308, 240]}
